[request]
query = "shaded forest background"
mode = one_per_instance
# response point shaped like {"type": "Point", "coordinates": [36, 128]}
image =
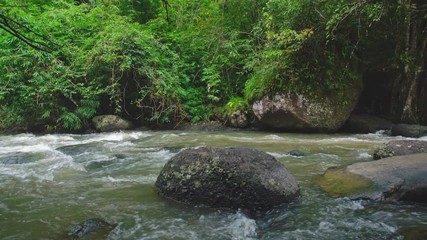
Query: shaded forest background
{"type": "Point", "coordinates": [167, 61]}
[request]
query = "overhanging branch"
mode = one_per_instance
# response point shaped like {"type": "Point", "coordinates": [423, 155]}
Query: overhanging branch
{"type": "Point", "coordinates": [16, 29]}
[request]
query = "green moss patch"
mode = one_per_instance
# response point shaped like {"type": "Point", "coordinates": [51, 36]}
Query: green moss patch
{"type": "Point", "coordinates": [337, 182]}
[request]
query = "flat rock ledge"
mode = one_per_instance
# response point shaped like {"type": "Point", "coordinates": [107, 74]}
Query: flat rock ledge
{"type": "Point", "coordinates": [402, 178]}
{"type": "Point", "coordinates": [236, 178]}
{"type": "Point", "coordinates": [400, 148]}
{"type": "Point", "coordinates": [409, 130]}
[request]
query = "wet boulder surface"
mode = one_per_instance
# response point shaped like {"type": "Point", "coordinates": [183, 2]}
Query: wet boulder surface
{"type": "Point", "coordinates": [402, 178]}
{"type": "Point", "coordinates": [236, 178]}
{"type": "Point", "coordinates": [399, 148]}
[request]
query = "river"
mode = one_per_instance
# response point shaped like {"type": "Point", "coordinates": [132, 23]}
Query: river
{"type": "Point", "coordinates": [51, 182]}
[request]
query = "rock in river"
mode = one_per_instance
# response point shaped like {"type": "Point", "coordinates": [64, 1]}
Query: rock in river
{"type": "Point", "coordinates": [93, 228]}
{"type": "Point", "coordinates": [227, 178]}
{"type": "Point", "coordinates": [399, 148]}
{"type": "Point", "coordinates": [298, 112]}
{"type": "Point", "coordinates": [409, 130]}
{"type": "Point", "coordinates": [109, 123]}
{"type": "Point", "coordinates": [395, 178]}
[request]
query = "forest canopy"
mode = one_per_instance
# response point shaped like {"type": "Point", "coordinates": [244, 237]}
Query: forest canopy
{"type": "Point", "coordinates": [166, 61]}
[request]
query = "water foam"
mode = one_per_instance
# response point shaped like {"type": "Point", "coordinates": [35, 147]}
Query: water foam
{"type": "Point", "coordinates": [43, 169]}
{"type": "Point", "coordinates": [149, 179]}
{"type": "Point", "coordinates": [364, 156]}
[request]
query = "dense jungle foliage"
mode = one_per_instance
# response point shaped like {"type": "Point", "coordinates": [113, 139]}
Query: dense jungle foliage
{"type": "Point", "coordinates": [167, 61]}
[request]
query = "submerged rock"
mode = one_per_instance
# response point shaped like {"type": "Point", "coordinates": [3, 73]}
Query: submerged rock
{"type": "Point", "coordinates": [298, 112]}
{"type": "Point", "coordinates": [409, 130]}
{"type": "Point", "coordinates": [227, 178]}
{"type": "Point", "coordinates": [109, 123]}
{"type": "Point", "coordinates": [20, 158]}
{"type": "Point", "coordinates": [399, 148]}
{"type": "Point", "coordinates": [296, 153]}
{"type": "Point", "coordinates": [338, 182]}
{"type": "Point", "coordinates": [397, 178]}
{"type": "Point", "coordinates": [94, 228]}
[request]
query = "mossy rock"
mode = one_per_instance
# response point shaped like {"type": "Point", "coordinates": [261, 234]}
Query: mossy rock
{"type": "Point", "coordinates": [109, 123]}
{"type": "Point", "coordinates": [320, 111]}
{"type": "Point", "coordinates": [399, 148]}
{"type": "Point", "coordinates": [338, 182]}
{"type": "Point", "coordinates": [401, 178]}
{"type": "Point", "coordinates": [236, 178]}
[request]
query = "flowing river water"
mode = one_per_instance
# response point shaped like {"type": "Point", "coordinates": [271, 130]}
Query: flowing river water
{"type": "Point", "coordinates": [50, 183]}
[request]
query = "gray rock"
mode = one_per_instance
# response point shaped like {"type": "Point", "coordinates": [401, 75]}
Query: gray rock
{"type": "Point", "coordinates": [227, 178]}
{"type": "Point", "coordinates": [298, 112]}
{"type": "Point", "coordinates": [409, 130]}
{"type": "Point", "coordinates": [94, 228]}
{"type": "Point", "coordinates": [398, 178]}
{"type": "Point", "coordinates": [238, 119]}
{"type": "Point", "coordinates": [366, 124]}
{"type": "Point", "coordinates": [109, 123]}
{"type": "Point", "coordinates": [399, 148]}
{"type": "Point", "coordinates": [296, 153]}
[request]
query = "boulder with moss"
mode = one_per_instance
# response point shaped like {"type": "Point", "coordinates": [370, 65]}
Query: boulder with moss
{"type": "Point", "coordinates": [306, 112]}
{"type": "Point", "coordinates": [227, 178]}
{"type": "Point", "coordinates": [402, 178]}
{"type": "Point", "coordinates": [110, 123]}
{"type": "Point", "coordinates": [238, 119]}
{"type": "Point", "coordinates": [399, 148]}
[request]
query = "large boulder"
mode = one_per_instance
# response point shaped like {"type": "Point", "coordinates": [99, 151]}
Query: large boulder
{"type": "Point", "coordinates": [298, 112]}
{"type": "Point", "coordinates": [361, 123]}
{"type": "Point", "coordinates": [409, 130]}
{"type": "Point", "coordinates": [396, 178]}
{"type": "Point", "coordinates": [227, 178]}
{"type": "Point", "coordinates": [109, 123]}
{"type": "Point", "coordinates": [399, 148]}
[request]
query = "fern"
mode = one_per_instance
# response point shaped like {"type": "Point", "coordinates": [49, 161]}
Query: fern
{"type": "Point", "coordinates": [88, 108]}
{"type": "Point", "coordinates": [70, 121]}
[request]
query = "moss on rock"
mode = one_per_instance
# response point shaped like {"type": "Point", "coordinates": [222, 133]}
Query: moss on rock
{"type": "Point", "coordinates": [338, 182]}
{"type": "Point", "coordinates": [227, 178]}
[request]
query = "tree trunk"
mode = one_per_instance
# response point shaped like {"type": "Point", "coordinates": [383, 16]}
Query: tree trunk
{"type": "Point", "coordinates": [409, 96]}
